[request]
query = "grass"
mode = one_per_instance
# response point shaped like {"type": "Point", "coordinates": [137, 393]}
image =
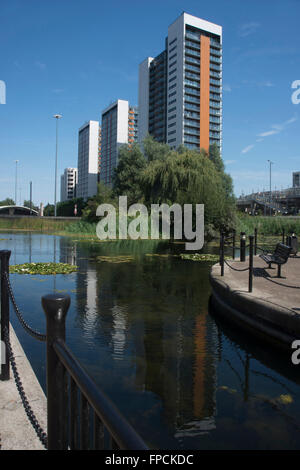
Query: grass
{"type": "Point", "coordinates": [37, 224]}
{"type": "Point", "coordinates": [267, 225]}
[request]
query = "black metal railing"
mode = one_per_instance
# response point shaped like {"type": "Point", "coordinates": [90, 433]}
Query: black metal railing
{"type": "Point", "coordinates": [243, 247]}
{"type": "Point", "coordinates": [253, 249]}
{"type": "Point", "coordinates": [79, 414]}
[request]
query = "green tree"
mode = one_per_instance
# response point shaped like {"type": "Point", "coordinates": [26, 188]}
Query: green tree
{"type": "Point", "coordinates": [49, 210]}
{"type": "Point", "coordinates": [66, 208]}
{"type": "Point", "coordinates": [104, 195]}
{"type": "Point", "coordinates": [126, 178]}
{"type": "Point", "coordinates": [155, 150]}
{"type": "Point", "coordinates": [188, 177]}
{"type": "Point", "coordinates": [7, 202]}
{"type": "Point", "coordinates": [215, 156]}
{"type": "Point", "coordinates": [27, 204]}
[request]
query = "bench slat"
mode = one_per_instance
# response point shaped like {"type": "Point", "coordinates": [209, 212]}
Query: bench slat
{"type": "Point", "coordinates": [280, 256]}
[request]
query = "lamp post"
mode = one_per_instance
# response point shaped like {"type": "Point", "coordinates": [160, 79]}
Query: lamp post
{"type": "Point", "coordinates": [57, 117]}
{"type": "Point", "coordinates": [271, 163]}
{"type": "Point", "coordinates": [16, 182]}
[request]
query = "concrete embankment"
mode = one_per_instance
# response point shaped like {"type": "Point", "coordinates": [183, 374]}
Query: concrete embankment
{"type": "Point", "coordinates": [271, 310]}
{"type": "Point", "coordinates": [16, 432]}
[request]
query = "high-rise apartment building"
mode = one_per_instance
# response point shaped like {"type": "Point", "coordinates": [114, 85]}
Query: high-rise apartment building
{"type": "Point", "coordinates": [180, 90]}
{"type": "Point", "coordinates": [88, 159]}
{"type": "Point", "coordinates": [119, 127]}
{"type": "Point", "coordinates": [68, 184]}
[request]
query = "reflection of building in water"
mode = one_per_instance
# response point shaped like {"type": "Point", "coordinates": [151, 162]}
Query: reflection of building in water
{"type": "Point", "coordinates": [67, 252]}
{"type": "Point", "coordinates": [180, 371]}
{"type": "Point", "coordinates": [157, 335]}
{"type": "Point", "coordinates": [119, 331]}
{"type": "Point", "coordinates": [87, 295]}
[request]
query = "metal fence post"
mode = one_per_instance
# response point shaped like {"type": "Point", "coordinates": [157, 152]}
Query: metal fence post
{"type": "Point", "coordinates": [4, 257]}
{"type": "Point", "coordinates": [242, 246]}
{"type": "Point", "coordinates": [250, 262]}
{"type": "Point", "coordinates": [283, 235]}
{"type": "Point", "coordinates": [55, 308]}
{"type": "Point", "coordinates": [222, 253]}
{"type": "Point", "coordinates": [255, 241]}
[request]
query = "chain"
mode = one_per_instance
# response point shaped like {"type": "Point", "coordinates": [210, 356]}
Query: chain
{"type": "Point", "coordinates": [31, 416]}
{"type": "Point", "coordinates": [235, 269]}
{"type": "Point", "coordinates": [35, 334]}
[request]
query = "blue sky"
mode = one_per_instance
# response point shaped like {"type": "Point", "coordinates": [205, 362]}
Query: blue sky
{"type": "Point", "coordinates": [74, 58]}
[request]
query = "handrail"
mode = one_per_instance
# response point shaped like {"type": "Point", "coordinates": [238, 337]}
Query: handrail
{"type": "Point", "coordinates": [242, 256]}
{"type": "Point", "coordinates": [63, 406]}
{"type": "Point", "coordinates": [122, 432]}
{"type": "Point", "coordinates": [66, 380]}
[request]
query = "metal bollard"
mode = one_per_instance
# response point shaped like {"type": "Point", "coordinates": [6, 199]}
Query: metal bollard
{"type": "Point", "coordinates": [4, 257]}
{"type": "Point", "coordinates": [222, 253]}
{"type": "Point", "coordinates": [242, 246]}
{"type": "Point", "coordinates": [250, 262]}
{"type": "Point", "coordinates": [56, 308]}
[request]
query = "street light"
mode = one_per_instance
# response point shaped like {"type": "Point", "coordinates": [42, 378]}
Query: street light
{"type": "Point", "coordinates": [57, 117]}
{"type": "Point", "coordinates": [16, 181]}
{"type": "Point", "coordinates": [271, 163]}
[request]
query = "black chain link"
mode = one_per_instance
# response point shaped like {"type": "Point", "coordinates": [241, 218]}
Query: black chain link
{"type": "Point", "coordinates": [28, 410]}
{"type": "Point", "coordinates": [35, 334]}
{"type": "Point", "coordinates": [235, 269]}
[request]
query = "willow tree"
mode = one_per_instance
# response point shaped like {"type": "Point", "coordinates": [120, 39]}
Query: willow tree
{"type": "Point", "coordinates": [188, 177]}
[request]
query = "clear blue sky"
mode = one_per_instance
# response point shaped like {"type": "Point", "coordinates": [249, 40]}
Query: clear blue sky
{"type": "Point", "coordinates": [75, 57]}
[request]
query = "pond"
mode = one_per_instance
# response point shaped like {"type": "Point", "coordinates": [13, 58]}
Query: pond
{"type": "Point", "coordinates": [141, 325]}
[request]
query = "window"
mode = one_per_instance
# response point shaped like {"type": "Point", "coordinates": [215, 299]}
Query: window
{"type": "Point", "coordinates": [172, 42]}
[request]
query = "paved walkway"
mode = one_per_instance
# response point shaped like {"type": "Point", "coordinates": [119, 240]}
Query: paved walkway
{"type": "Point", "coordinates": [16, 432]}
{"type": "Point", "coordinates": [273, 300]}
{"type": "Point", "coordinates": [266, 284]}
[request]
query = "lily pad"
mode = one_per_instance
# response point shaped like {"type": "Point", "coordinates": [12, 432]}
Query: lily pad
{"type": "Point", "coordinates": [115, 259]}
{"type": "Point", "coordinates": [285, 399]}
{"type": "Point", "coordinates": [202, 257]}
{"type": "Point", "coordinates": [42, 268]}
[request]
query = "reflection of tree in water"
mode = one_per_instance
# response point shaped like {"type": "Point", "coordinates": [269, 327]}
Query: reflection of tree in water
{"type": "Point", "coordinates": [266, 418]}
{"type": "Point", "coordinates": [156, 307]}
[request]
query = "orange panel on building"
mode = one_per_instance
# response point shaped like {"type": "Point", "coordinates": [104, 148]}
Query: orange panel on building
{"type": "Point", "coordinates": [204, 92]}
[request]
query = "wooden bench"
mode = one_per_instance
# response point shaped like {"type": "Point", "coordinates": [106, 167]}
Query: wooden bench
{"type": "Point", "coordinates": [280, 256]}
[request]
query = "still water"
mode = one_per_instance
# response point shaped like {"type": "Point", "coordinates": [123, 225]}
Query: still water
{"type": "Point", "coordinates": [140, 323]}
